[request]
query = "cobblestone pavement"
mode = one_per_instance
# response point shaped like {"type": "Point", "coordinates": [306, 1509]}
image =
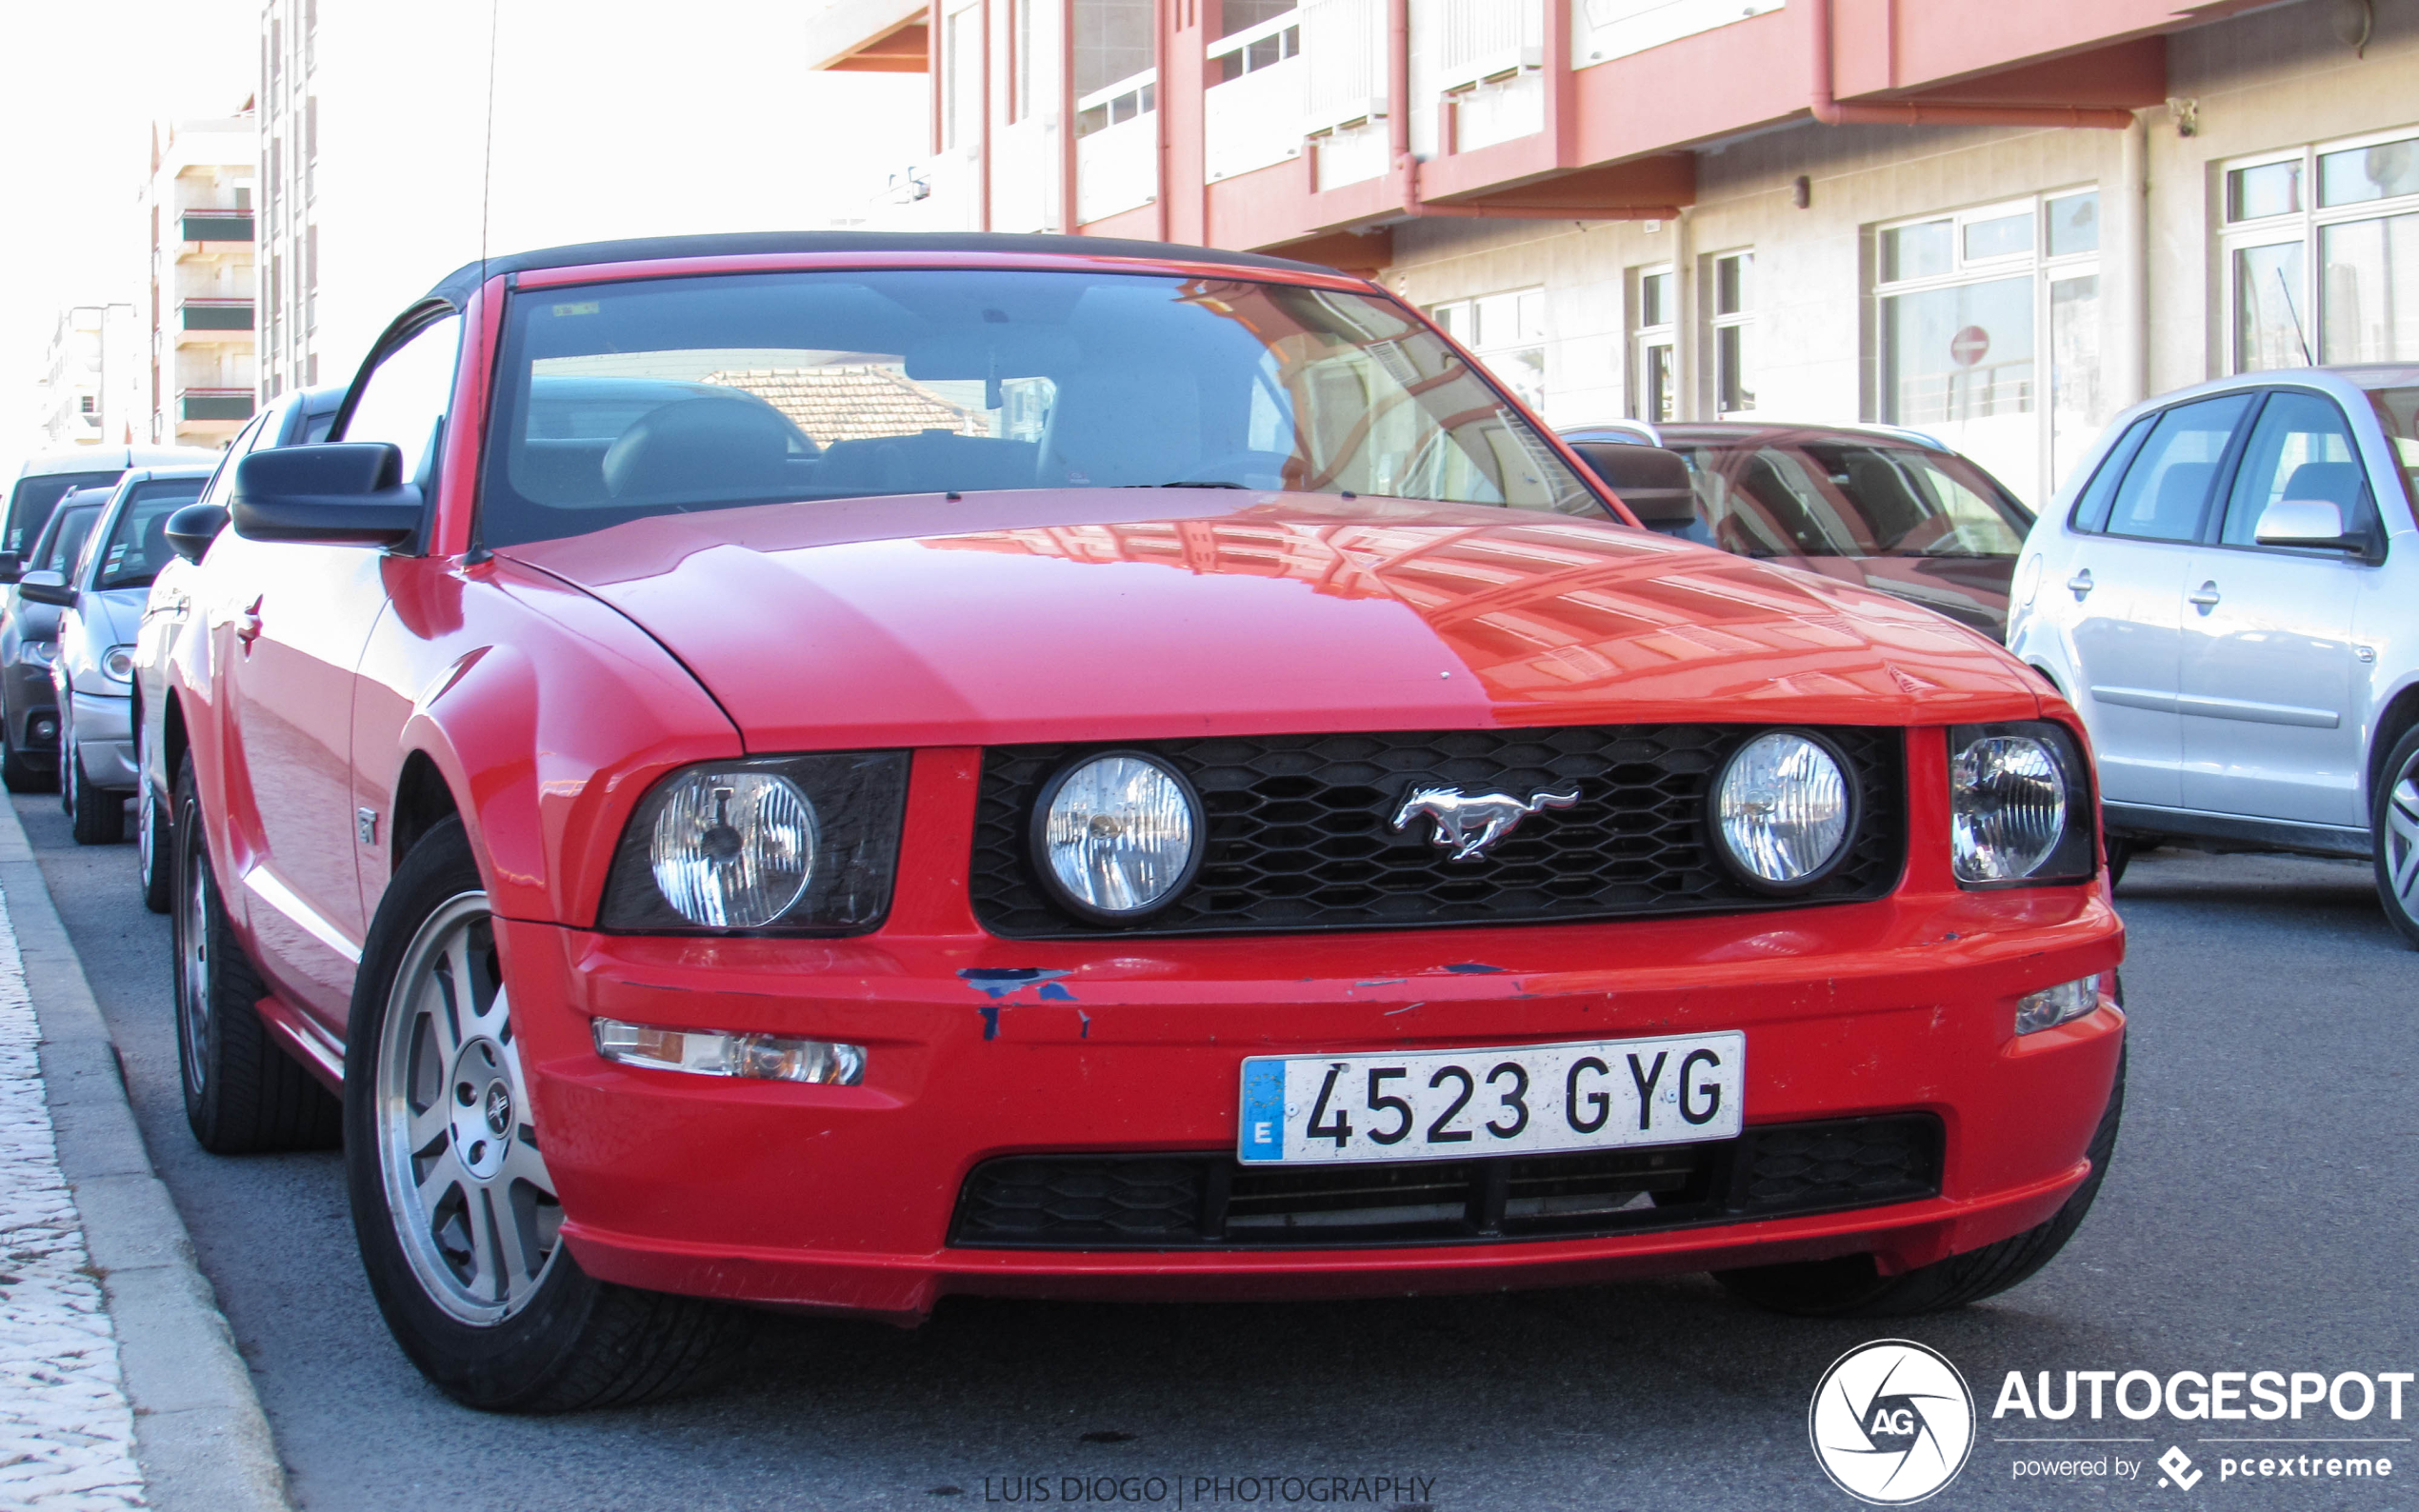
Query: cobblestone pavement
{"type": "Point", "coordinates": [67, 1434]}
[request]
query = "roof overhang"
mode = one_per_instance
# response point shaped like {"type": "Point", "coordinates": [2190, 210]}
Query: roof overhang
{"type": "Point", "coordinates": [870, 36]}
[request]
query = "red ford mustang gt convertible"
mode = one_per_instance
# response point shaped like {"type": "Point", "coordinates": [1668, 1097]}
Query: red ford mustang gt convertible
{"type": "Point", "coordinates": [830, 771]}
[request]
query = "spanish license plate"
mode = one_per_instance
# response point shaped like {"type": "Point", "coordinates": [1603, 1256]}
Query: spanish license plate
{"type": "Point", "coordinates": [1519, 1100]}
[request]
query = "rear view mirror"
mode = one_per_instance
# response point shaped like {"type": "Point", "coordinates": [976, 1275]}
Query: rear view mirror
{"type": "Point", "coordinates": [1652, 481]}
{"type": "Point", "coordinates": [346, 493]}
{"type": "Point", "coordinates": [10, 569]}
{"type": "Point", "coordinates": [2306, 523]}
{"type": "Point", "coordinates": [192, 528]}
{"type": "Point", "coordinates": [46, 587]}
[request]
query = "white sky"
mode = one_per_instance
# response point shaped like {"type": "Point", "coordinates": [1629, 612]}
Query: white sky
{"type": "Point", "coordinates": [613, 118]}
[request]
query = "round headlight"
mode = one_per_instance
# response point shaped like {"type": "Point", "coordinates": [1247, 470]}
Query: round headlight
{"type": "Point", "coordinates": [733, 849]}
{"type": "Point", "coordinates": [1783, 808]}
{"type": "Point", "coordinates": [2008, 808]}
{"type": "Point", "coordinates": [1119, 835]}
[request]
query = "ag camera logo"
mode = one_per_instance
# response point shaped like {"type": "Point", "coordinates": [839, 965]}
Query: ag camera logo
{"type": "Point", "coordinates": [1892, 1423]}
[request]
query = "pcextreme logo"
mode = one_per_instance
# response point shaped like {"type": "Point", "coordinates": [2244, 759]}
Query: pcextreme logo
{"type": "Point", "coordinates": [1892, 1423]}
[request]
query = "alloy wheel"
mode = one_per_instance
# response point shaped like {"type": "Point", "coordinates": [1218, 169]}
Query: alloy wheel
{"type": "Point", "coordinates": [467, 1188]}
{"type": "Point", "coordinates": [2401, 839]}
{"type": "Point", "coordinates": [192, 966]}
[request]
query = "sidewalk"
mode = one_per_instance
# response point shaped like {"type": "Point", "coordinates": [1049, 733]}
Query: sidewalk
{"type": "Point", "coordinates": [120, 1384]}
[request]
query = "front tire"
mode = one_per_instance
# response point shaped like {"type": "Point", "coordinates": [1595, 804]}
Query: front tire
{"type": "Point", "coordinates": [455, 1211]}
{"type": "Point", "coordinates": [2393, 821]}
{"type": "Point", "coordinates": [155, 868]}
{"type": "Point", "coordinates": [1851, 1288]}
{"type": "Point", "coordinates": [99, 814]}
{"type": "Point", "coordinates": [243, 1094]}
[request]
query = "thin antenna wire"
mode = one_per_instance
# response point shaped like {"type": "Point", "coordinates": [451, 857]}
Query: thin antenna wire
{"type": "Point", "coordinates": [2299, 334]}
{"type": "Point", "coordinates": [487, 168]}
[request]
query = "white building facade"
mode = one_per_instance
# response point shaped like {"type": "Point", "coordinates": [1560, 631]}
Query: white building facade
{"type": "Point", "coordinates": [203, 306]}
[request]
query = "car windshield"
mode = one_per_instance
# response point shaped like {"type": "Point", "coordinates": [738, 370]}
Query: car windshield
{"type": "Point", "coordinates": [137, 546]}
{"type": "Point", "coordinates": [2398, 411]}
{"type": "Point", "coordinates": [624, 400]}
{"type": "Point", "coordinates": [29, 507]}
{"type": "Point", "coordinates": [63, 540]}
{"type": "Point", "coordinates": [1841, 498]}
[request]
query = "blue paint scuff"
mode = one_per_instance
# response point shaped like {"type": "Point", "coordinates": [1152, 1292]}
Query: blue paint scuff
{"type": "Point", "coordinates": [1474, 968]}
{"type": "Point", "coordinates": [998, 981]}
{"type": "Point", "coordinates": [990, 1020]}
{"type": "Point", "coordinates": [1052, 992]}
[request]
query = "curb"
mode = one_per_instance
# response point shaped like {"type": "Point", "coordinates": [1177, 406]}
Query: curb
{"type": "Point", "coordinates": [199, 1433]}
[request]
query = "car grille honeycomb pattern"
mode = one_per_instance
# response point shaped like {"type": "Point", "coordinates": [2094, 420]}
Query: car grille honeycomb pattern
{"type": "Point", "coordinates": [1300, 835]}
{"type": "Point", "coordinates": [1211, 1201]}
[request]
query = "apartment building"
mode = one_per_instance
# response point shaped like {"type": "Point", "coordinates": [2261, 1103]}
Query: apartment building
{"type": "Point", "coordinates": [91, 390]}
{"type": "Point", "coordinates": [203, 304]}
{"type": "Point", "coordinates": [1996, 223]}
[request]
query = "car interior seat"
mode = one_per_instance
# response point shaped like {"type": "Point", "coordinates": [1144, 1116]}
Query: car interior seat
{"type": "Point", "coordinates": [701, 448]}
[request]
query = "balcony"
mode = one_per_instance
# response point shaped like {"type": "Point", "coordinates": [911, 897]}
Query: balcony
{"type": "Point", "coordinates": [207, 320]}
{"type": "Point", "coordinates": [217, 226]}
{"type": "Point", "coordinates": [1117, 147]}
{"type": "Point", "coordinates": [231, 405]}
{"type": "Point", "coordinates": [1253, 114]}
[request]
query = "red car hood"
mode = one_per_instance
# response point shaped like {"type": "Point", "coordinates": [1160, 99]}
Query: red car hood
{"type": "Point", "coordinates": [1129, 614]}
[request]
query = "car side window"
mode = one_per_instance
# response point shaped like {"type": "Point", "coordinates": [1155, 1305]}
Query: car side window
{"type": "Point", "coordinates": [2092, 510]}
{"type": "Point", "coordinates": [223, 479]}
{"type": "Point", "coordinates": [2167, 489]}
{"type": "Point", "coordinates": [406, 399]}
{"type": "Point", "coordinates": [2301, 449]}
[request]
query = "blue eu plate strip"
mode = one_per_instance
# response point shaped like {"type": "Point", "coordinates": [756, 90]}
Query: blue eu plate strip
{"type": "Point", "coordinates": [1263, 1111]}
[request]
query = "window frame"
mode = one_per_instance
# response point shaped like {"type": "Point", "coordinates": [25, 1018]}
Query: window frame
{"type": "Point", "coordinates": [1649, 337]}
{"type": "Point", "coordinates": [2221, 484]}
{"type": "Point", "coordinates": [2303, 227]}
{"type": "Point", "coordinates": [1741, 320]}
{"type": "Point", "coordinates": [2222, 496]}
{"type": "Point", "coordinates": [2037, 263]}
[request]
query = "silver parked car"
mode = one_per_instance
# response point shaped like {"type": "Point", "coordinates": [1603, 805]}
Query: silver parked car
{"type": "Point", "coordinates": [2229, 593]}
{"type": "Point", "coordinates": [92, 672]}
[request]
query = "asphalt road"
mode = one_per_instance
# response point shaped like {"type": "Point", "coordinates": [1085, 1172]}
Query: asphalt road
{"type": "Point", "coordinates": [2259, 1215]}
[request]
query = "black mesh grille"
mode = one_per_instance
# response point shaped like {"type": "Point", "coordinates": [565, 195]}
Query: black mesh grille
{"type": "Point", "coordinates": [1300, 833]}
{"type": "Point", "coordinates": [1191, 1202]}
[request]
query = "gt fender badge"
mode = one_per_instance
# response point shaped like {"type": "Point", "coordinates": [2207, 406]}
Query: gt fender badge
{"type": "Point", "coordinates": [1892, 1423]}
{"type": "Point", "coordinates": [1471, 825]}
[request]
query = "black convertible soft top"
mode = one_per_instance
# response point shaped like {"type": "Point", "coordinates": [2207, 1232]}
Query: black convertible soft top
{"type": "Point", "coordinates": [456, 289]}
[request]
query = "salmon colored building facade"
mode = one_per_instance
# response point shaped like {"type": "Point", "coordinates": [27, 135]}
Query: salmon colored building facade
{"type": "Point", "coordinates": [1999, 223]}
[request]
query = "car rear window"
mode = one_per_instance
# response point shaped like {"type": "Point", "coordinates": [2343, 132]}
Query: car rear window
{"type": "Point", "coordinates": [29, 507]}
{"type": "Point", "coordinates": [137, 546]}
{"type": "Point", "coordinates": [624, 400]}
{"type": "Point", "coordinates": [1850, 499]}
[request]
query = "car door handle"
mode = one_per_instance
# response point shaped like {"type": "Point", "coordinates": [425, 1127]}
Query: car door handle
{"type": "Point", "coordinates": [248, 624]}
{"type": "Point", "coordinates": [2080, 583]}
{"type": "Point", "coordinates": [2205, 599]}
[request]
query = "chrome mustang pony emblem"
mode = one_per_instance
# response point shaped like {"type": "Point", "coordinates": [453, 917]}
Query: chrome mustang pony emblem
{"type": "Point", "coordinates": [1470, 824]}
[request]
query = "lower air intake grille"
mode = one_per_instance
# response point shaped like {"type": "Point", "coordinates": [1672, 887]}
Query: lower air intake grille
{"type": "Point", "coordinates": [1211, 1201]}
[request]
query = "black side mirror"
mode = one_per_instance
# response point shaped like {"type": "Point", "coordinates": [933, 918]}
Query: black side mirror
{"type": "Point", "coordinates": [46, 587]}
{"type": "Point", "coordinates": [192, 528]}
{"type": "Point", "coordinates": [347, 493]}
{"type": "Point", "coordinates": [10, 569]}
{"type": "Point", "coordinates": [1652, 481]}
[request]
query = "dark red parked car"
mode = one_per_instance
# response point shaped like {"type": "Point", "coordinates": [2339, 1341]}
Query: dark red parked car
{"type": "Point", "coordinates": [1873, 504]}
{"type": "Point", "coordinates": [830, 771]}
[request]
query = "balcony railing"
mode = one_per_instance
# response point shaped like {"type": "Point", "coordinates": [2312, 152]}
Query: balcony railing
{"type": "Point", "coordinates": [218, 225]}
{"type": "Point", "coordinates": [216, 315]}
{"type": "Point", "coordinates": [214, 404]}
{"type": "Point", "coordinates": [1117, 147]}
{"type": "Point", "coordinates": [1253, 114]}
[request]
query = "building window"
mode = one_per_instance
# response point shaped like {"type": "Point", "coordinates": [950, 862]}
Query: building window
{"type": "Point", "coordinates": [2321, 254]}
{"type": "Point", "coordinates": [84, 404]}
{"type": "Point", "coordinates": [1653, 339]}
{"type": "Point", "coordinates": [1020, 72]}
{"type": "Point", "coordinates": [1508, 334]}
{"type": "Point", "coordinates": [1967, 303]}
{"type": "Point", "coordinates": [962, 77]}
{"type": "Point", "coordinates": [1734, 333]}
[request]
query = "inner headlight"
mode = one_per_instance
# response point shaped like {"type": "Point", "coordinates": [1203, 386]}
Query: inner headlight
{"type": "Point", "coordinates": [1117, 835]}
{"type": "Point", "coordinates": [117, 663]}
{"type": "Point", "coordinates": [2019, 804]}
{"type": "Point", "coordinates": [1782, 807]}
{"type": "Point", "coordinates": [796, 844]}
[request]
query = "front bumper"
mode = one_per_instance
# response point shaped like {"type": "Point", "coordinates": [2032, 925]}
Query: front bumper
{"type": "Point", "coordinates": [843, 1198]}
{"type": "Point", "coordinates": [104, 726]}
{"type": "Point", "coordinates": [32, 708]}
